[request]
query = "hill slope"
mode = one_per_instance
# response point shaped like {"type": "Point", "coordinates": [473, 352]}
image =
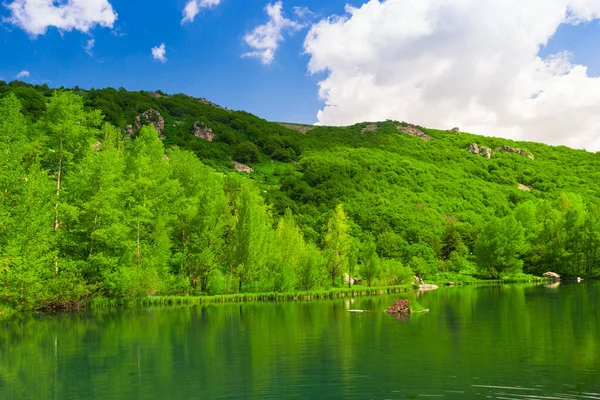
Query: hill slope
{"type": "Point", "coordinates": [435, 201]}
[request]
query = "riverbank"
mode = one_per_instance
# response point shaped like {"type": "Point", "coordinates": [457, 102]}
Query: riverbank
{"type": "Point", "coordinates": [354, 291]}
{"type": "Point", "coordinates": [250, 297]}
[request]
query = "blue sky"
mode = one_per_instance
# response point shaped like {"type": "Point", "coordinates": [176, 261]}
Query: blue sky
{"type": "Point", "coordinates": [203, 57]}
{"type": "Point", "coordinates": [363, 60]}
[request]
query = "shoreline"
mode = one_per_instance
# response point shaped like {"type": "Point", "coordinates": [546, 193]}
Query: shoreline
{"type": "Point", "coordinates": [355, 291]}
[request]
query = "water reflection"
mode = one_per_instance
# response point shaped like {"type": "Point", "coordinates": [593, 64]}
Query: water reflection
{"type": "Point", "coordinates": [474, 343]}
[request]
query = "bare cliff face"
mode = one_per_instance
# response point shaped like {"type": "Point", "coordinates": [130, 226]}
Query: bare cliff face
{"type": "Point", "coordinates": [487, 152]}
{"type": "Point", "coordinates": [150, 117]}
{"type": "Point", "coordinates": [480, 151]}
{"type": "Point", "coordinates": [412, 130]}
{"type": "Point", "coordinates": [201, 131]}
{"type": "Point", "coordinates": [238, 166]}
{"type": "Point", "coordinates": [520, 152]}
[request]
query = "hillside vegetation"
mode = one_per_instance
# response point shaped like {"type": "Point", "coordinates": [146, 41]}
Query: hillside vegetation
{"type": "Point", "coordinates": [94, 204]}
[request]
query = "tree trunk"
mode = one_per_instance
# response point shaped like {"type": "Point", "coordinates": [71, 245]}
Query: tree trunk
{"type": "Point", "coordinates": [58, 178]}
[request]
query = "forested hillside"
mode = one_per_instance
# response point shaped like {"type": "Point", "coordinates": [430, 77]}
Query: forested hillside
{"type": "Point", "coordinates": [128, 194]}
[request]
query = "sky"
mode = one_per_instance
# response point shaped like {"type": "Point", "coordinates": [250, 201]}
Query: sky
{"type": "Point", "coordinates": [521, 69]}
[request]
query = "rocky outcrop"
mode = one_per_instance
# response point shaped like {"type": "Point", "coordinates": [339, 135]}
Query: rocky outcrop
{"type": "Point", "coordinates": [210, 103]}
{"type": "Point", "coordinates": [238, 166]}
{"type": "Point", "coordinates": [303, 129]}
{"type": "Point", "coordinates": [401, 307]}
{"type": "Point", "coordinates": [369, 128]}
{"type": "Point", "coordinates": [524, 188]}
{"type": "Point", "coordinates": [201, 131]}
{"type": "Point", "coordinates": [412, 130]}
{"type": "Point", "coordinates": [520, 152]}
{"type": "Point", "coordinates": [150, 117]}
{"type": "Point", "coordinates": [351, 280]}
{"type": "Point", "coordinates": [418, 281]}
{"type": "Point", "coordinates": [155, 95]}
{"type": "Point", "coordinates": [552, 275]}
{"type": "Point", "coordinates": [455, 130]}
{"type": "Point", "coordinates": [97, 146]}
{"type": "Point", "coordinates": [424, 288]}
{"type": "Point", "coordinates": [129, 131]}
{"type": "Point", "coordinates": [480, 151]}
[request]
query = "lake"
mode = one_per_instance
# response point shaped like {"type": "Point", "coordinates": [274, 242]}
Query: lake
{"type": "Point", "coordinates": [477, 342]}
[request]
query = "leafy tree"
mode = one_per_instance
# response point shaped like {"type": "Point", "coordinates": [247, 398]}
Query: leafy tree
{"type": "Point", "coordinates": [251, 241]}
{"type": "Point", "coordinates": [369, 260]}
{"type": "Point", "coordinates": [246, 153]}
{"type": "Point", "coordinates": [201, 220]}
{"type": "Point", "coordinates": [337, 244]}
{"type": "Point", "coordinates": [499, 246]}
{"type": "Point", "coordinates": [68, 129]}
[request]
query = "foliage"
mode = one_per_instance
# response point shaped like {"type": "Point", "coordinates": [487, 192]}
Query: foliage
{"type": "Point", "coordinates": [499, 246]}
{"type": "Point", "coordinates": [88, 211]}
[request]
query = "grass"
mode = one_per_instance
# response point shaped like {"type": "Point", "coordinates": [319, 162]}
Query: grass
{"type": "Point", "coordinates": [463, 279]}
{"type": "Point", "coordinates": [415, 306]}
{"type": "Point", "coordinates": [246, 297]}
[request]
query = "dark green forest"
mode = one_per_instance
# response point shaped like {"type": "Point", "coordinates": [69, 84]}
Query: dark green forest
{"type": "Point", "coordinates": [112, 193]}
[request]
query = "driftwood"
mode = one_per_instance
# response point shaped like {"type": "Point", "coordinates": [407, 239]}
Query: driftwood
{"type": "Point", "coordinates": [401, 307]}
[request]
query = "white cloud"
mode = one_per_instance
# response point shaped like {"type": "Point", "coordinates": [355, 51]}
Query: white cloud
{"type": "Point", "coordinates": [23, 74]}
{"type": "Point", "coordinates": [193, 7]}
{"type": "Point", "coordinates": [89, 47]}
{"type": "Point", "coordinates": [468, 63]}
{"type": "Point", "coordinates": [159, 53]}
{"type": "Point", "coordinates": [36, 16]}
{"type": "Point", "coordinates": [265, 39]}
{"type": "Point", "coordinates": [304, 13]}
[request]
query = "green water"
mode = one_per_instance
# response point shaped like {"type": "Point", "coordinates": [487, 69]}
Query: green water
{"type": "Point", "coordinates": [504, 342]}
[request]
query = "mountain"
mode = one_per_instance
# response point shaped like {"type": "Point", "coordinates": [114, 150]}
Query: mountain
{"type": "Point", "coordinates": [442, 203]}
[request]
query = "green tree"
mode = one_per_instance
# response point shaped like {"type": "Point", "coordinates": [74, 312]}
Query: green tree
{"type": "Point", "coordinates": [201, 217]}
{"type": "Point", "coordinates": [499, 246]}
{"type": "Point", "coordinates": [337, 244]}
{"type": "Point", "coordinates": [251, 238]}
{"type": "Point", "coordinates": [68, 130]}
{"type": "Point", "coordinates": [246, 153]}
{"type": "Point", "coordinates": [369, 260]}
{"type": "Point", "coordinates": [148, 214]}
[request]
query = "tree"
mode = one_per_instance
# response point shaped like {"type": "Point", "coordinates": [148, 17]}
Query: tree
{"type": "Point", "coordinates": [201, 217]}
{"type": "Point", "coordinates": [246, 152]}
{"type": "Point", "coordinates": [369, 260]}
{"type": "Point", "coordinates": [68, 131]}
{"type": "Point", "coordinates": [250, 242]}
{"type": "Point", "coordinates": [337, 244]}
{"type": "Point", "coordinates": [288, 249]}
{"type": "Point", "coordinates": [149, 214]}
{"type": "Point", "coordinates": [499, 245]}
{"type": "Point", "coordinates": [96, 233]}
{"type": "Point", "coordinates": [452, 241]}
{"type": "Point", "coordinates": [26, 240]}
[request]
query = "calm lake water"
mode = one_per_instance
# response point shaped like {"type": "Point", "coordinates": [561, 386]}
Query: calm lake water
{"type": "Point", "coordinates": [499, 342]}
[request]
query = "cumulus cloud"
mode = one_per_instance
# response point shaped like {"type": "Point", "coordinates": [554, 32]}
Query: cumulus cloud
{"type": "Point", "coordinates": [36, 16]}
{"type": "Point", "coordinates": [265, 39]}
{"type": "Point", "coordinates": [193, 7]}
{"type": "Point", "coordinates": [159, 53]}
{"type": "Point", "coordinates": [89, 47]}
{"type": "Point", "coordinates": [470, 63]}
{"type": "Point", "coordinates": [23, 74]}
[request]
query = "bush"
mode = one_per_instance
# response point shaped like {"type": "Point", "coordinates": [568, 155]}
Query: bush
{"type": "Point", "coordinates": [246, 153]}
